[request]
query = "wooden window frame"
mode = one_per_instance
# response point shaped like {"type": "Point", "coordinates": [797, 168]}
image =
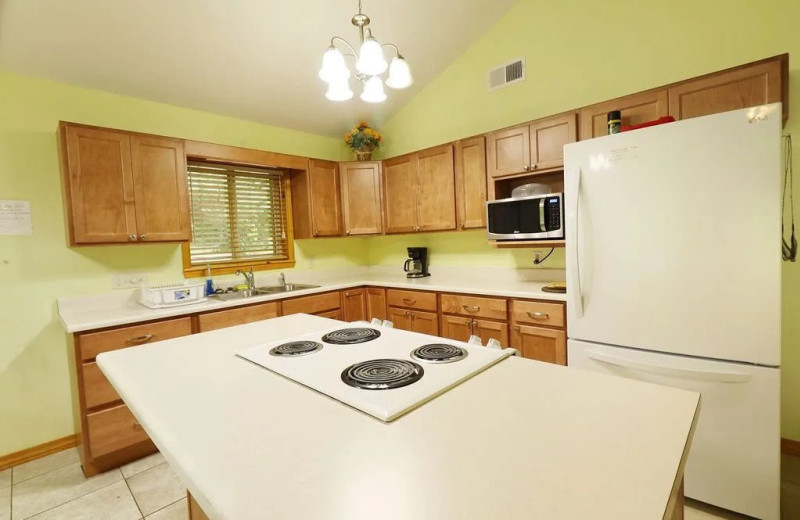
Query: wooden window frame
{"type": "Point", "coordinates": [196, 150]}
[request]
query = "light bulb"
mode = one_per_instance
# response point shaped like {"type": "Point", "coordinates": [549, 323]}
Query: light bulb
{"type": "Point", "coordinates": [399, 74]}
{"type": "Point", "coordinates": [333, 66]}
{"type": "Point", "coordinates": [373, 90]}
{"type": "Point", "coordinates": [339, 90]}
{"type": "Point", "coordinates": [370, 58]}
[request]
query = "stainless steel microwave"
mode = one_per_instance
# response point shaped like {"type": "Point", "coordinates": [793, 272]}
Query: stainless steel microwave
{"type": "Point", "coordinates": [539, 217]}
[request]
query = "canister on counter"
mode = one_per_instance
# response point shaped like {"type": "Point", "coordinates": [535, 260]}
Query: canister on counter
{"type": "Point", "coordinates": [614, 122]}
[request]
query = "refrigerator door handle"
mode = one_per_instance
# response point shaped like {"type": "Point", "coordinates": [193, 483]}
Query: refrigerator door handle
{"type": "Point", "coordinates": [572, 244]}
{"type": "Point", "coordinates": [698, 375]}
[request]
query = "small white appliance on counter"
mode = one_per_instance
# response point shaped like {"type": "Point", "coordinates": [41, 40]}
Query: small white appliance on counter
{"type": "Point", "coordinates": [674, 269]}
{"type": "Point", "coordinates": [382, 371]}
{"type": "Point", "coordinates": [171, 294]}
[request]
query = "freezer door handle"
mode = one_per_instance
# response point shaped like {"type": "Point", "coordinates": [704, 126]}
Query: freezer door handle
{"type": "Point", "coordinates": [572, 244]}
{"type": "Point", "coordinates": [718, 376]}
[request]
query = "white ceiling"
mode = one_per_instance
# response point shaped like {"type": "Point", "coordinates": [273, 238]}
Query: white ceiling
{"type": "Point", "coordinates": [252, 59]}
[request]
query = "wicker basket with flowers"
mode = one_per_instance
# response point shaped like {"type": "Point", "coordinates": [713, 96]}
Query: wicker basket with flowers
{"type": "Point", "coordinates": [363, 140]}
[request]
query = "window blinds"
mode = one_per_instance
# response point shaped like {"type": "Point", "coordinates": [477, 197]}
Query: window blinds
{"type": "Point", "coordinates": [238, 213]}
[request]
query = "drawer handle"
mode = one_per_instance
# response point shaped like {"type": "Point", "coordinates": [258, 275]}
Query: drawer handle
{"type": "Point", "coordinates": [471, 308]}
{"type": "Point", "coordinates": [410, 301]}
{"type": "Point", "coordinates": [138, 340]}
{"type": "Point", "coordinates": [541, 316]}
{"type": "Point", "coordinates": [516, 328]}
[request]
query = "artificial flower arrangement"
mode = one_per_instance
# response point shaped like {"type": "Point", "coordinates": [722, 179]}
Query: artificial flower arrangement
{"type": "Point", "coordinates": [363, 140]}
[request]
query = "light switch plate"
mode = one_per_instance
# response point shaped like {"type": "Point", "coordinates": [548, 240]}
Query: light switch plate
{"type": "Point", "coordinates": [128, 280]}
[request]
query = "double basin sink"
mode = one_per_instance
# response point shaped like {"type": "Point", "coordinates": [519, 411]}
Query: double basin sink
{"type": "Point", "coordinates": [263, 291]}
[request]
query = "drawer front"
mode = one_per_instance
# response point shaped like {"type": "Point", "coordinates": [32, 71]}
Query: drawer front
{"type": "Point", "coordinates": [334, 315]}
{"type": "Point", "coordinates": [425, 301]}
{"type": "Point", "coordinates": [313, 304]}
{"type": "Point", "coordinates": [112, 430]}
{"type": "Point", "coordinates": [94, 343]}
{"type": "Point", "coordinates": [538, 313]}
{"type": "Point", "coordinates": [97, 390]}
{"type": "Point", "coordinates": [237, 316]}
{"type": "Point", "coordinates": [494, 308]}
{"type": "Point", "coordinates": [541, 344]}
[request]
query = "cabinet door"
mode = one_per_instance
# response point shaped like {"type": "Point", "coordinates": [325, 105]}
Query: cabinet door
{"type": "Point", "coordinates": [740, 88]}
{"type": "Point", "coordinates": [635, 109]}
{"type": "Point", "coordinates": [98, 185]}
{"type": "Point", "coordinates": [425, 322]}
{"type": "Point", "coordinates": [335, 314]}
{"type": "Point", "coordinates": [376, 303]}
{"type": "Point", "coordinates": [112, 430]}
{"type": "Point", "coordinates": [354, 305]}
{"type": "Point", "coordinates": [401, 318]}
{"type": "Point", "coordinates": [361, 198]}
{"type": "Point", "coordinates": [487, 330]}
{"type": "Point", "coordinates": [325, 194]}
{"type": "Point", "coordinates": [456, 327]}
{"type": "Point", "coordinates": [540, 344]}
{"type": "Point", "coordinates": [435, 188]}
{"type": "Point", "coordinates": [160, 185]}
{"type": "Point", "coordinates": [548, 137]}
{"type": "Point", "coordinates": [237, 316]}
{"type": "Point", "coordinates": [508, 152]}
{"type": "Point", "coordinates": [471, 183]}
{"type": "Point", "coordinates": [400, 194]}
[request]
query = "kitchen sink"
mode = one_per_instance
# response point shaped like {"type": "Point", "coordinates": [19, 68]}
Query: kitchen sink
{"type": "Point", "coordinates": [261, 291]}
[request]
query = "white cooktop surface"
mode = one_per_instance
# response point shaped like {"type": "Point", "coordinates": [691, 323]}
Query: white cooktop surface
{"type": "Point", "coordinates": [322, 370]}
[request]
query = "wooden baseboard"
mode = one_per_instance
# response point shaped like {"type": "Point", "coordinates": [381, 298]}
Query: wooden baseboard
{"type": "Point", "coordinates": [790, 447]}
{"type": "Point", "coordinates": [37, 452]}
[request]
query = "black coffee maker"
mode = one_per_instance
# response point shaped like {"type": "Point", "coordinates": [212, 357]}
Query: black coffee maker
{"type": "Point", "coordinates": [417, 264]}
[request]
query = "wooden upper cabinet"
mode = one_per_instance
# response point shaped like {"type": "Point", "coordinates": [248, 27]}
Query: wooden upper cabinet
{"type": "Point", "coordinates": [161, 189]}
{"type": "Point", "coordinates": [548, 137]}
{"type": "Point", "coordinates": [470, 169]}
{"type": "Point", "coordinates": [436, 196]}
{"type": "Point", "coordinates": [361, 197]}
{"type": "Point", "coordinates": [750, 85]}
{"type": "Point", "coordinates": [635, 109]}
{"type": "Point", "coordinates": [98, 185]}
{"type": "Point", "coordinates": [123, 187]}
{"type": "Point", "coordinates": [316, 200]}
{"type": "Point", "coordinates": [354, 305]}
{"type": "Point", "coordinates": [508, 151]}
{"type": "Point", "coordinates": [400, 194]}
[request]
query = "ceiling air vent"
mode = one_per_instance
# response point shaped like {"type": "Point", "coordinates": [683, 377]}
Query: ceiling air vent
{"type": "Point", "coordinates": [507, 74]}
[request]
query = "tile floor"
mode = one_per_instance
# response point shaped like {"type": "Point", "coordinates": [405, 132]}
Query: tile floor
{"type": "Point", "coordinates": [53, 488]}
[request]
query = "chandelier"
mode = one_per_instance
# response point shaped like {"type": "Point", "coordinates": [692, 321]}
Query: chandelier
{"type": "Point", "coordinates": [370, 63]}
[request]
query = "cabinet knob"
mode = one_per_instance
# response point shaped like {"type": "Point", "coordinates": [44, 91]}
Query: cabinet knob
{"type": "Point", "coordinates": [347, 294]}
{"type": "Point", "coordinates": [533, 166]}
{"type": "Point", "coordinates": [468, 322]}
{"type": "Point", "coordinates": [316, 233]}
{"type": "Point", "coordinates": [142, 237]}
{"type": "Point", "coordinates": [527, 168]}
{"type": "Point", "coordinates": [516, 328]}
{"type": "Point", "coordinates": [347, 232]}
{"type": "Point", "coordinates": [463, 225]}
{"type": "Point", "coordinates": [132, 238]}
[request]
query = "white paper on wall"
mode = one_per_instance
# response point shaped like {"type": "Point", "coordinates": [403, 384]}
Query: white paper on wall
{"type": "Point", "coordinates": [15, 217]}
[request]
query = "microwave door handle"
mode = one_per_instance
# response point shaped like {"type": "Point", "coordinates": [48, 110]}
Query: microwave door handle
{"type": "Point", "coordinates": [542, 225]}
{"type": "Point", "coordinates": [572, 246]}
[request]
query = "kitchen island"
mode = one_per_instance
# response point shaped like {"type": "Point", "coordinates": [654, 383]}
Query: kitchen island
{"type": "Point", "coordinates": [521, 440]}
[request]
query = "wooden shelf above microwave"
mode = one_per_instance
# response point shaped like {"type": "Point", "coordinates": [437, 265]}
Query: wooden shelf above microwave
{"type": "Point", "coordinates": [529, 244]}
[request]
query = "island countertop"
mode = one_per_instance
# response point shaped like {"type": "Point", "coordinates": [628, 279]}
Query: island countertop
{"type": "Point", "coordinates": [521, 440]}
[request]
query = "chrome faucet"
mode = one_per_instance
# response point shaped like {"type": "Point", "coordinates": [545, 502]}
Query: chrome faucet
{"type": "Point", "coordinates": [248, 275]}
{"type": "Point", "coordinates": [282, 279]}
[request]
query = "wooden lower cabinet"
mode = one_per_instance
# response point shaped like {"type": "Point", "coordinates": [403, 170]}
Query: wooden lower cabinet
{"type": "Point", "coordinates": [541, 344]}
{"type": "Point", "coordinates": [314, 304]}
{"type": "Point", "coordinates": [237, 316]}
{"type": "Point", "coordinates": [335, 314]}
{"type": "Point", "coordinates": [458, 328]}
{"type": "Point", "coordinates": [487, 330]}
{"type": "Point", "coordinates": [401, 318]}
{"type": "Point", "coordinates": [195, 513]}
{"type": "Point", "coordinates": [414, 320]}
{"type": "Point", "coordinates": [376, 303]}
{"type": "Point", "coordinates": [354, 304]}
{"type": "Point", "coordinates": [112, 430]}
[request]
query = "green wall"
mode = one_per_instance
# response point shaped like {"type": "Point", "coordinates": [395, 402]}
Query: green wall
{"type": "Point", "coordinates": [35, 403]}
{"type": "Point", "coordinates": [579, 53]}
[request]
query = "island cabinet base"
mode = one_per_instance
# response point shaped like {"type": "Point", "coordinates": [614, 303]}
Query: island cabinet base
{"type": "Point", "coordinates": [195, 513]}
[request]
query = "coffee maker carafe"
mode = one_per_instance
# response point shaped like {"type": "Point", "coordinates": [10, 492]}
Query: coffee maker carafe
{"type": "Point", "coordinates": [417, 264]}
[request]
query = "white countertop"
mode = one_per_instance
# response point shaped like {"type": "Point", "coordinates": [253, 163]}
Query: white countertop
{"type": "Point", "coordinates": [84, 313]}
{"type": "Point", "coordinates": [522, 440]}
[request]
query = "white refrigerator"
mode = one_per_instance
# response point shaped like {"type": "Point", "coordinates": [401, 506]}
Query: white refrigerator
{"type": "Point", "coordinates": [674, 277]}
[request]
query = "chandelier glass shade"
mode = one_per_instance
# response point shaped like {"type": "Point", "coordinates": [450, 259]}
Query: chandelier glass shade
{"type": "Point", "coordinates": [370, 63]}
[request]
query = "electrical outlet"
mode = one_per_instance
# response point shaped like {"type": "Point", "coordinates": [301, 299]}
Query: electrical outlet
{"type": "Point", "coordinates": [128, 280]}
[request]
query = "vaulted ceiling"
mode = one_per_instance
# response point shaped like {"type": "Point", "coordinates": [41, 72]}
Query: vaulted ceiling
{"type": "Point", "coordinates": [253, 59]}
